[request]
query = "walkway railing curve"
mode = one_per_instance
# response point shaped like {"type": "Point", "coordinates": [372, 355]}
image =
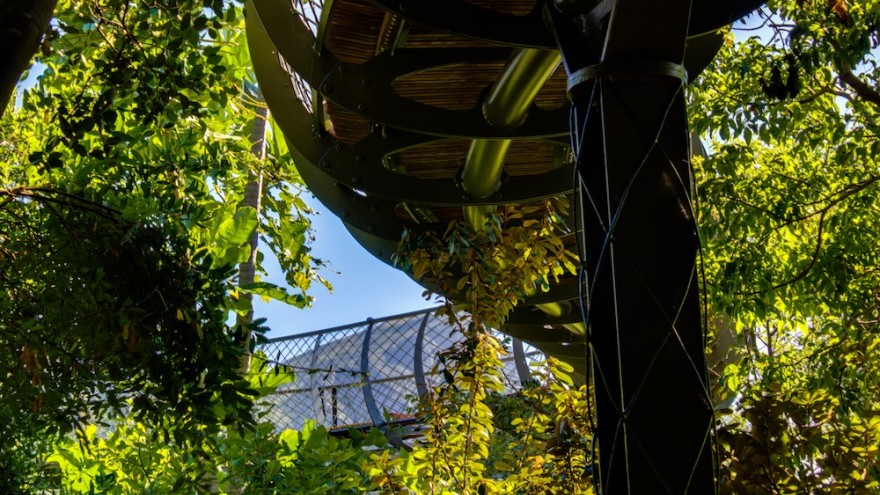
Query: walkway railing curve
{"type": "Point", "coordinates": [372, 372]}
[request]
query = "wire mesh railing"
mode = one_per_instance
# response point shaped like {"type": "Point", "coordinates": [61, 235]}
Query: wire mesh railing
{"type": "Point", "coordinates": [309, 13]}
{"type": "Point", "coordinates": [372, 372]}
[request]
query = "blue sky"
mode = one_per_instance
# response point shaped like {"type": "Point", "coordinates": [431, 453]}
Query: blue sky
{"type": "Point", "coordinates": [364, 288]}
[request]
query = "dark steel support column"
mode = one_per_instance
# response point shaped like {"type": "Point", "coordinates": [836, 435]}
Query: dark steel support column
{"type": "Point", "coordinates": [654, 417]}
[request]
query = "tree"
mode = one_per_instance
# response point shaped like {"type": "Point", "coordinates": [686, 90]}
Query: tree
{"type": "Point", "coordinates": [789, 226]}
{"type": "Point", "coordinates": [121, 181]}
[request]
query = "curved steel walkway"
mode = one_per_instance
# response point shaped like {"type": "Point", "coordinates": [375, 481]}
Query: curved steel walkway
{"type": "Point", "coordinates": [409, 114]}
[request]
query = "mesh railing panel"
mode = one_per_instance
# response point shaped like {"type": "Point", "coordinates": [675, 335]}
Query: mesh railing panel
{"type": "Point", "coordinates": [439, 336]}
{"type": "Point", "coordinates": [292, 403]}
{"type": "Point", "coordinates": [339, 378]}
{"type": "Point", "coordinates": [289, 408]}
{"type": "Point", "coordinates": [309, 13]}
{"type": "Point", "coordinates": [392, 371]}
{"type": "Point", "coordinates": [333, 389]}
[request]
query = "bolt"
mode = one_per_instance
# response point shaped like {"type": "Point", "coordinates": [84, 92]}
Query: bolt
{"type": "Point", "coordinates": [325, 164]}
{"type": "Point", "coordinates": [341, 68]}
{"type": "Point", "coordinates": [338, 146]}
{"type": "Point", "coordinates": [355, 180]}
{"type": "Point", "coordinates": [366, 81]}
{"type": "Point", "coordinates": [362, 107]}
{"type": "Point", "coordinates": [358, 158]}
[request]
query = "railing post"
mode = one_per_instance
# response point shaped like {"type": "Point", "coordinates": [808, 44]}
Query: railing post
{"type": "Point", "coordinates": [317, 402]}
{"type": "Point", "coordinates": [418, 358]}
{"type": "Point", "coordinates": [369, 400]}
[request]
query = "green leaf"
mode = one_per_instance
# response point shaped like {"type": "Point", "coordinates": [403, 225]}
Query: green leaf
{"type": "Point", "coordinates": [272, 291]}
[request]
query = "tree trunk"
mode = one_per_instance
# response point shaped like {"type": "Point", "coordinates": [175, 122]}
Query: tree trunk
{"type": "Point", "coordinates": [22, 26]}
{"type": "Point", "coordinates": [252, 197]}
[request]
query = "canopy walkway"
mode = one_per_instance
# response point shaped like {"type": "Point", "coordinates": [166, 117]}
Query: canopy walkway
{"type": "Point", "coordinates": [407, 114]}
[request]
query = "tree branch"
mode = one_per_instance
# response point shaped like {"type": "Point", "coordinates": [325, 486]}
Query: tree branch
{"type": "Point", "coordinates": [807, 269]}
{"type": "Point", "coordinates": [844, 70]}
{"type": "Point", "coordinates": [862, 89]}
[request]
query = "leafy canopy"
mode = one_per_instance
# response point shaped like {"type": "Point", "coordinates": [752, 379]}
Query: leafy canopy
{"type": "Point", "coordinates": [121, 181]}
{"type": "Point", "coordinates": [789, 215]}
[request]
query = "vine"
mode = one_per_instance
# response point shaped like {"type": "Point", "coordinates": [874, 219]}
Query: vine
{"type": "Point", "coordinates": [488, 271]}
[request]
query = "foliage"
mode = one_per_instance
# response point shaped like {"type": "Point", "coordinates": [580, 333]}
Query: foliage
{"type": "Point", "coordinates": [310, 461]}
{"type": "Point", "coordinates": [550, 448]}
{"type": "Point", "coordinates": [133, 457]}
{"type": "Point", "coordinates": [21, 459]}
{"type": "Point", "coordinates": [789, 227]}
{"type": "Point", "coordinates": [130, 459]}
{"type": "Point", "coordinates": [98, 309]}
{"type": "Point", "coordinates": [490, 270]}
{"type": "Point", "coordinates": [121, 178]}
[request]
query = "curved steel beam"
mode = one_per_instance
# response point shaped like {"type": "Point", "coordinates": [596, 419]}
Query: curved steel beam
{"type": "Point", "coordinates": [507, 105]}
{"type": "Point", "coordinates": [308, 145]}
{"type": "Point", "coordinates": [472, 21]}
{"type": "Point", "coordinates": [360, 166]}
{"type": "Point", "coordinates": [512, 96]}
{"type": "Point", "coordinates": [367, 389]}
{"type": "Point", "coordinates": [530, 30]}
{"type": "Point", "coordinates": [368, 88]}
